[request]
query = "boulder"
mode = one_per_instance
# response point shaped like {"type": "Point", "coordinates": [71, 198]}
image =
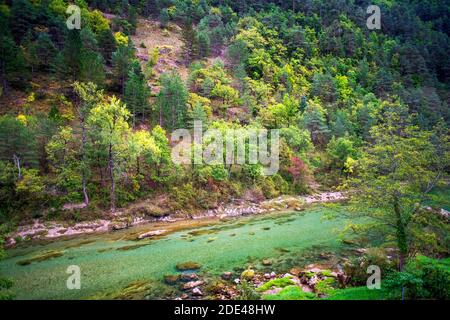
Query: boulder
{"type": "Point", "coordinates": [189, 265]}
{"type": "Point", "coordinates": [267, 262]}
{"type": "Point", "coordinates": [118, 226]}
{"type": "Point", "coordinates": [226, 275]}
{"type": "Point", "coordinates": [295, 271]}
{"type": "Point", "coordinates": [197, 292]}
{"type": "Point", "coordinates": [186, 277]}
{"type": "Point", "coordinates": [151, 234]}
{"type": "Point", "coordinates": [171, 278]}
{"type": "Point", "coordinates": [248, 274]}
{"type": "Point", "coordinates": [192, 284]}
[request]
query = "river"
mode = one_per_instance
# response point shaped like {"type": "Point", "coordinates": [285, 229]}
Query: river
{"type": "Point", "coordinates": [112, 261]}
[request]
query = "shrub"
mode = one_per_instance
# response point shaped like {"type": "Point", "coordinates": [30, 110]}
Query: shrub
{"type": "Point", "coordinates": [422, 278]}
{"type": "Point", "coordinates": [290, 293]}
{"type": "Point", "coordinates": [278, 283]}
{"type": "Point", "coordinates": [247, 292]}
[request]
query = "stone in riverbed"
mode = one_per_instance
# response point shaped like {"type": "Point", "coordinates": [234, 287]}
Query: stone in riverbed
{"type": "Point", "coordinates": [295, 271]}
{"type": "Point", "coordinates": [197, 292]}
{"type": "Point", "coordinates": [192, 284]}
{"type": "Point", "coordinates": [118, 226]}
{"type": "Point", "coordinates": [266, 262]}
{"type": "Point", "coordinates": [248, 274]}
{"type": "Point", "coordinates": [186, 277]}
{"type": "Point", "coordinates": [151, 234]}
{"type": "Point", "coordinates": [189, 265]}
{"type": "Point", "coordinates": [226, 275]}
{"type": "Point", "coordinates": [171, 278]}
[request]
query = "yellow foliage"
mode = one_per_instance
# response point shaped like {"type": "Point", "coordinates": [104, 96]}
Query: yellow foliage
{"type": "Point", "coordinates": [121, 39]}
{"type": "Point", "coordinates": [22, 119]}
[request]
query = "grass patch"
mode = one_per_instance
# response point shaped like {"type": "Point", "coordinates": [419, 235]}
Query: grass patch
{"type": "Point", "coordinates": [278, 283]}
{"type": "Point", "coordinates": [290, 293]}
{"type": "Point", "coordinates": [356, 293]}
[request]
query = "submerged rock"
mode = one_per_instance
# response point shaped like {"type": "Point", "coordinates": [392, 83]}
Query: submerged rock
{"type": "Point", "coordinates": [171, 278]}
{"type": "Point", "coordinates": [189, 265]}
{"type": "Point", "coordinates": [248, 274]}
{"type": "Point", "coordinates": [227, 275]}
{"type": "Point", "coordinates": [186, 277]}
{"type": "Point", "coordinates": [151, 234]}
{"type": "Point", "coordinates": [267, 262]}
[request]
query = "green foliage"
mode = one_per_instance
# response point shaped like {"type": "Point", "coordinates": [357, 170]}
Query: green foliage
{"type": "Point", "coordinates": [394, 175]}
{"type": "Point", "coordinates": [278, 283]}
{"type": "Point", "coordinates": [172, 101]}
{"type": "Point", "coordinates": [357, 293]}
{"type": "Point", "coordinates": [325, 286]}
{"type": "Point", "coordinates": [137, 92]}
{"type": "Point", "coordinates": [122, 60]}
{"type": "Point", "coordinates": [291, 293]}
{"type": "Point", "coordinates": [17, 143]}
{"type": "Point", "coordinates": [422, 278]}
{"type": "Point", "coordinates": [339, 150]}
{"type": "Point", "coordinates": [247, 292]}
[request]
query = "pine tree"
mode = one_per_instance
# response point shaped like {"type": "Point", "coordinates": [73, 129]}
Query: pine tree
{"type": "Point", "coordinates": [23, 15]}
{"type": "Point", "coordinates": [172, 101]}
{"type": "Point", "coordinates": [92, 67]}
{"type": "Point", "coordinates": [45, 51]}
{"type": "Point", "coordinates": [190, 43]}
{"type": "Point", "coordinates": [164, 18]}
{"type": "Point", "coordinates": [72, 52]}
{"type": "Point", "coordinates": [17, 144]}
{"type": "Point", "coordinates": [122, 59]}
{"type": "Point", "coordinates": [204, 44]}
{"type": "Point", "coordinates": [107, 45]}
{"type": "Point", "coordinates": [137, 92]}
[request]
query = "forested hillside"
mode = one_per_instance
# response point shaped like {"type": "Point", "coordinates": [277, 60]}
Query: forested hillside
{"type": "Point", "coordinates": [86, 115]}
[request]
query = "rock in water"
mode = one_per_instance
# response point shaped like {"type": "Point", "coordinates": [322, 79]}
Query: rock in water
{"type": "Point", "coordinates": [151, 234]}
{"type": "Point", "coordinates": [226, 275]}
{"type": "Point", "coordinates": [192, 284]}
{"type": "Point", "coordinates": [248, 274]}
{"type": "Point", "coordinates": [197, 292]}
{"type": "Point", "coordinates": [267, 262]}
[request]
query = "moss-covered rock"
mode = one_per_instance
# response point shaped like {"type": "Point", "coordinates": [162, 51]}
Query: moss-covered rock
{"type": "Point", "coordinates": [171, 278]}
{"type": "Point", "coordinates": [189, 265]}
{"type": "Point", "coordinates": [42, 257]}
{"type": "Point", "coordinates": [248, 274]}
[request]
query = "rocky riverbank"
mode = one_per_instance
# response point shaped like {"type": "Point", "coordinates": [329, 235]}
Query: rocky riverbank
{"type": "Point", "coordinates": [54, 229]}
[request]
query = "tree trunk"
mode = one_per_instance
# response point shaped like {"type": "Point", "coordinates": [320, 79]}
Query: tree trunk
{"type": "Point", "coordinates": [402, 242]}
{"type": "Point", "coordinates": [113, 182]}
{"type": "Point", "coordinates": [83, 151]}
{"type": "Point", "coordinates": [16, 160]}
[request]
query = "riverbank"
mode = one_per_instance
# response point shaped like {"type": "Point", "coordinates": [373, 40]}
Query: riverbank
{"type": "Point", "coordinates": [117, 265]}
{"type": "Point", "coordinates": [41, 230]}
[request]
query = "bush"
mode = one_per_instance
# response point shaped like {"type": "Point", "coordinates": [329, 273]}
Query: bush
{"type": "Point", "coordinates": [374, 256]}
{"type": "Point", "coordinates": [422, 278]}
{"type": "Point", "coordinates": [247, 292]}
{"type": "Point", "coordinates": [278, 283]}
{"type": "Point", "coordinates": [290, 293]}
